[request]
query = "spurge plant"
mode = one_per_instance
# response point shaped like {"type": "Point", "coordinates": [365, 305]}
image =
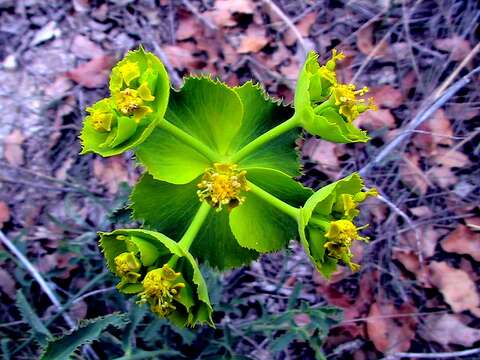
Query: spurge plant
{"type": "Point", "coordinates": [219, 184]}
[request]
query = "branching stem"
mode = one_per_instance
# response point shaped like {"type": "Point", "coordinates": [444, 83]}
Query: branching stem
{"type": "Point", "coordinates": [288, 125]}
{"type": "Point", "coordinates": [192, 231]}
{"type": "Point", "coordinates": [189, 140]}
{"type": "Point", "coordinates": [274, 201]}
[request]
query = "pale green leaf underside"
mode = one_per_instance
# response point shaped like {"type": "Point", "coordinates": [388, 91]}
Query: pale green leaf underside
{"type": "Point", "coordinates": [163, 206]}
{"type": "Point", "coordinates": [216, 245]}
{"type": "Point", "coordinates": [207, 110]}
{"type": "Point", "coordinates": [169, 159]}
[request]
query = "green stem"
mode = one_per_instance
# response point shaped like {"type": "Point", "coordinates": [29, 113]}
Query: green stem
{"type": "Point", "coordinates": [324, 224]}
{"type": "Point", "coordinates": [274, 201]}
{"type": "Point", "coordinates": [288, 125]}
{"type": "Point", "coordinates": [192, 231]}
{"type": "Point", "coordinates": [189, 140]}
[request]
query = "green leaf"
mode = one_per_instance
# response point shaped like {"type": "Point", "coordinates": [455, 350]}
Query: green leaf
{"type": "Point", "coordinates": [262, 113]}
{"type": "Point", "coordinates": [169, 159]}
{"type": "Point", "coordinates": [88, 331]}
{"type": "Point", "coordinates": [216, 245]}
{"type": "Point", "coordinates": [328, 125]}
{"type": "Point", "coordinates": [127, 134]}
{"type": "Point", "coordinates": [208, 110]}
{"type": "Point", "coordinates": [257, 224]}
{"type": "Point", "coordinates": [39, 330]}
{"type": "Point", "coordinates": [165, 207]}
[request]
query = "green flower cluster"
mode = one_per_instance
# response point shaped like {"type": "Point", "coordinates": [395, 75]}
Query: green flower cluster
{"type": "Point", "coordinates": [220, 183]}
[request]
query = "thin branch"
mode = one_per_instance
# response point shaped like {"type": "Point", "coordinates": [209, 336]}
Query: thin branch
{"type": "Point", "coordinates": [301, 42]}
{"type": "Point", "coordinates": [43, 285]}
{"type": "Point", "coordinates": [423, 115]}
{"type": "Point", "coordinates": [440, 355]}
{"type": "Point", "coordinates": [211, 26]}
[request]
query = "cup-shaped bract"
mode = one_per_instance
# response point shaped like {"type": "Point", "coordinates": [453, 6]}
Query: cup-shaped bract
{"type": "Point", "coordinates": [324, 106]}
{"type": "Point", "coordinates": [140, 88]}
{"type": "Point", "coordinates": [326, 226]}
{"type": "Point", "coordinates": [160, 272]}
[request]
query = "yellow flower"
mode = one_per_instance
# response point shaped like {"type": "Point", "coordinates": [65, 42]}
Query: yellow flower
{"type": "Point", "coordinates": [127, 266]}
{"type": "Point", "coordinates": [129, 72]}
{"type": "Point", "coordinates": [161, 287]}
{"type": "Point", "coordinates": [101, 119]}
{"type": "Point", "coordinates": [340, 237]}
{"type": "Point", "coordinates": [347, 203]}
{"type": "Point", "coordinates": [345, 96]}
{"type": "Point", "coordinates": [131, 102]}
{"type": "Point", "coordinates": [327, 71]}
{"type": "Point", "coordinates": [223, 185]}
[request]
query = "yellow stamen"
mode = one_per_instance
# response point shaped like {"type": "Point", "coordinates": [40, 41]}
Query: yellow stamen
{"type": "Point", "coordinates": [223, 185]}
{"type": "Point", "coordinates": [127, 266]}
{"type": "Point", "coordinates": [129, 71]}
{"type": "Point", "coordinates": [350, 107]}
{"type": "Point", "coordinates": [161, 288]}
{"type": "Point", "coordinates": [131, 102]}
{"type": "Point", "coordinates": [101, 120]}
{"type": "Point", "coordinates": [340, 237]}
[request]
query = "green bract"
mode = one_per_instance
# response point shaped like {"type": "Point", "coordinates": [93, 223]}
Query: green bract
{"type": "Point", "coordinates": [139, 88]}
{"type": "Point", "coordinates": [219, 185]}
{"type": "Point", "coordinates": [328, 214]}
{"type": "Point", "coordinates": [153, 251]}
{"type": "Point", "coordinates": [326, 108]}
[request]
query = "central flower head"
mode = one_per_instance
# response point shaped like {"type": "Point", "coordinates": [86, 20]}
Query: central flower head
{"type": "Point", "coordinates": [132, 101]}
{"type": "Point", "coordinates": [223, 185]}
{"type": "Point", "coordinates": [161, 287]}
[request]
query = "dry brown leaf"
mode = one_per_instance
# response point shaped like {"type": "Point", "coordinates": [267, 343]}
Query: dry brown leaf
{"type": "Point", "coordinates": [438, 124]}
{"type": "Point", "coordinates": [84, 48]}
{"type": "Point", "coordinates": [12, 150]}
{"type": "Point", "coordinates": [93, 74]}
{"type": "Point", "coordinates": [110, 172]}
{"type": "Point", "coordinates": [224, 9]}
{"type": "Point", "coordinates": [456, 286]}
{"type": "Point", "coordinates": [374, 120]}
{"type": "Point", "coordinates": [421, 211]}
{"type": "Point", "coordinates": [235, 6]}
{"type": "Point", "coordinates": [456, 46]}
{"type": "Point", "coordinates": [188, 27]}
{"type": "Point", "coordinates": [386, 96]}
{"type": "Point", "coordinates": [59, 87]}
{"type": "Point", "coordinates": [7, 283]}
{"type": "Point", "coordinates": [449, 329]}
{"type": "Point", "coordinates": [412, 175]}
{"type": "Point", "coordinates": [428, 237]}
{"type": "Point", "coordinates": [303, 26]}
{"type": "Point", "coordinates": [443, 176]}
{"type": "Point", "coordinates": [462, 240]}
{"type": "Point", "coordinates": [291, 70]}
{"type": "Point", "coordinates": [323, 153]}
{"type": "Point", "coordinates": [451, 158]}
{"type": "Point", "coordinates": [411, 262]}
{"type": "Point", "coordinates": [365, 42]}
{"type": "Point", "coordinates": [253, 40]}
{"type": "Point", "coordinates": [181, 55]}
{"type": "Point", "coordinates": [388, 334]}
{"type": "Point", "coordinates": [4, 213]}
